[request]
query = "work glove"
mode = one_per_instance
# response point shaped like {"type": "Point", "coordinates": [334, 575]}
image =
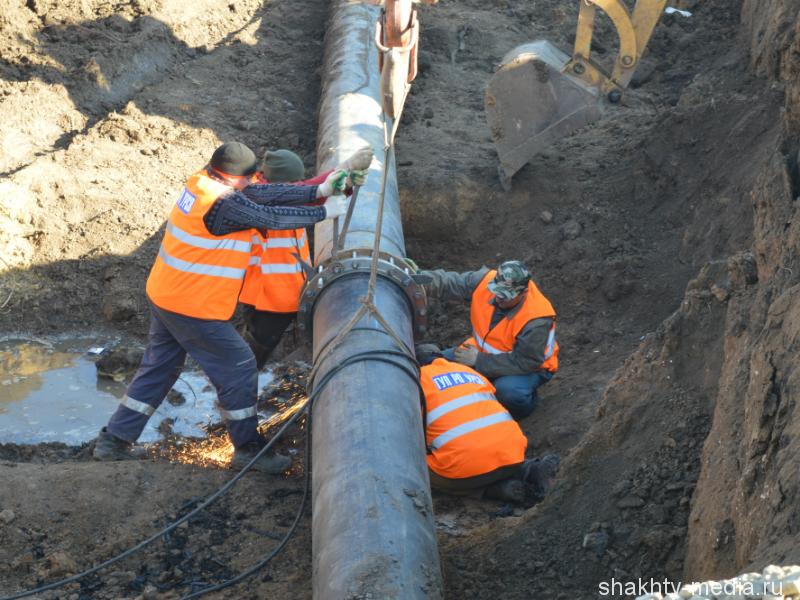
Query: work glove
{"type": "Point", "coordinates": [466, 355]}
{"type": "Point", "coordinates": [360, 160]}
{"type": "Point", "coordinates": [414, 266]}
{"type": "Point", "coordinates": [336, 206]}
{"type": "Point", "coordinates": [357, 177]}
{"type": "Point", "coordinates": [334, 184]}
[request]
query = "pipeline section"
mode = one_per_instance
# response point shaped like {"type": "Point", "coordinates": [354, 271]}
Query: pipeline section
{"type": "Point", "coordinates": [373, 528]}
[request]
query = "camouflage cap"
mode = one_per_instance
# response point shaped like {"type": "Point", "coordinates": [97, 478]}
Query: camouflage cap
{"type": "Point", "coordinates": [512, 278]}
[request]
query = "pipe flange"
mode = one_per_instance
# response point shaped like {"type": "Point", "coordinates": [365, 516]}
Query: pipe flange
{"type": "Point", "coordinates": [347, 262]}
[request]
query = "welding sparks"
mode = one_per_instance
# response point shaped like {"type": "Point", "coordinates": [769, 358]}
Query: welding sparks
{"type": "Point", "coordinates": [280, 417]}
{"type": "Point", "coordinates": [213, 451]}
{"type": "Point", "coordinates": [216, 450]}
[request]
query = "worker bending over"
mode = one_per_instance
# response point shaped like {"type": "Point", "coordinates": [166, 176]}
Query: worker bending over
{"type": "Point", "coordinates": [276, 275]}
{"type": "Point", "coordinates": [193, 288]}
{"type": "Point", "coordinates": [474, 443]}
{"type": "Point", "coordinates": [513, 339]}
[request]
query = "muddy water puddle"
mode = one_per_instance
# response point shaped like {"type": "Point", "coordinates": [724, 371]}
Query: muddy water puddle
{"type": "Point", "coordinates": [50, 392]}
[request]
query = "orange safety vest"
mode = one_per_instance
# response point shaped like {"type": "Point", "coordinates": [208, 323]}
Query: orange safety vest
{"type": "Point", "coordinates": [468, 430]}
{"type": "Point", "coordinates": [275, 278]}
{"type": "Point", "coordinates": [198, 274]}
{"type": "Point", "coordinates": [501, 339]}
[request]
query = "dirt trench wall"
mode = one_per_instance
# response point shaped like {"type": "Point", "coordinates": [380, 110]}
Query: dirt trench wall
{"type": "Point", "coordinates": [690, 468]}
{"type": "Point", "coordinates": [746, 509]}
{"type": "Point", "coordinates": [773, 29]}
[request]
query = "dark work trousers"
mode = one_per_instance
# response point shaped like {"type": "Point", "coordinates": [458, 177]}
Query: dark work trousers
{"type": "Point", "coordinates": [217, 348]}
{"type": "Point", "coordinates": [263, 331]}
{"type": "Point", "coordinates": [469, 485]}
{"type": "Point", "coordinates": [517, 393]}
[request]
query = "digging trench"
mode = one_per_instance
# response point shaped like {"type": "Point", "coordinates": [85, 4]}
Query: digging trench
{"type": "Point", "coordinates": [665, 236]}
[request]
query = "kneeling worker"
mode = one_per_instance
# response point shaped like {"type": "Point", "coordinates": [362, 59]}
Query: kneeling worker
{"type": "Point", "coordinates": [474, 443]}
{"type": "Point", "coordinates": [513, 339]}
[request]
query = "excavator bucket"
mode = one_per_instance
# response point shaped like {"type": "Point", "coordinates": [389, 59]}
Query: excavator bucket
{"type": "Point", "coordinates": [531, 103]}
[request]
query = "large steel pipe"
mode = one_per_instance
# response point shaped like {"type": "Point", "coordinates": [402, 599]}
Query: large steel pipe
{"type": "Point", "coordinates": [373, 529]}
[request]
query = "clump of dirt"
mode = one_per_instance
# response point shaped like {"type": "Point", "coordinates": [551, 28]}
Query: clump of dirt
{"type": "Point", "coordinates": [119, 364]}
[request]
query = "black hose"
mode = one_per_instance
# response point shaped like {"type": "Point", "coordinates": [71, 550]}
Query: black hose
{"type": "Point", "coordinates": [361, 357]}
{"type": "Point", "coordinates": [210, 500]}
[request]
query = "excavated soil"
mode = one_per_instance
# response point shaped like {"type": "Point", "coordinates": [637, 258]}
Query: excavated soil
{"type": "Point", "coordinates": [665, 235]}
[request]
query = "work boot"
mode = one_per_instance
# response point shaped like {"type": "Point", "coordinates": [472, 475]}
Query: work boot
{"type": "Point", "coordinates": [270, 462]}
{"type": "Point", "coordinates": [540, 473]}
{"type": "Point", "coordinates": [107, 446]}
{"type": "Point", "coordinates": [510, 490]}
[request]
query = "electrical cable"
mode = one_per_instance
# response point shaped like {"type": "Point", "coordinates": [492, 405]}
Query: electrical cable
{"type": "Point", "coordinates": [360, 357]}
{"type": "Point", "coordinates": [210, 500]}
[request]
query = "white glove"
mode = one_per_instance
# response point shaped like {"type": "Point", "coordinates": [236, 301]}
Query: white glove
{"type": "Point", "coordinates": [466, 355]}
{"type": "Point", "coordinates": [359, 160]}
{"type": "Point", "coordinates": [336, 206]}
{"type": "Point", "coordinates": [357, 177]}
{"type": "Point", "coordinates": [334, 183]}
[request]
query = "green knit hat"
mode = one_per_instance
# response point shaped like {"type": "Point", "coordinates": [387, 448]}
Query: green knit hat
{"type": "Point", "coordinates": [234, 158]}
{"type": "Point", "coordinates": [282, 166]}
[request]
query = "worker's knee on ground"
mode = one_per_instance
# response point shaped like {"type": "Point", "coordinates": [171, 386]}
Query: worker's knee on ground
{"type": "Point", "coordinates": [519, 400]}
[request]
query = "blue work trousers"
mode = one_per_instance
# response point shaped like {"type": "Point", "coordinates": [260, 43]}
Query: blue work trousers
{"type": "Point", "coordinates": [221, 352]}
{"type": "Point", "coordinates": [517, 393]}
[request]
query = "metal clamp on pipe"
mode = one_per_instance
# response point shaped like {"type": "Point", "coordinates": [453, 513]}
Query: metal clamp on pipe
{"type": "Point", "coordinates": [359, 261]}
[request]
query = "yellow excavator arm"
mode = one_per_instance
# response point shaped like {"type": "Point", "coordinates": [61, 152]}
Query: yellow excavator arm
{"type": "Point", "coordinates": [540, 94]}
{"type": "Point", "coordinates": [634, 32]}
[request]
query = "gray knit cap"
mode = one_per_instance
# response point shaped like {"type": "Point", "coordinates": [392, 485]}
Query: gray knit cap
{"type": "Point", "coordinates": [282, 166]}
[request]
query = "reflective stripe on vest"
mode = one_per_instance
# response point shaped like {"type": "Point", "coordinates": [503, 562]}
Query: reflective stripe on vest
{"type": "Point", "coordinates": [469, 427]}
{"type": "Point", "coordinates": [273, 268]}
{"type": "Point", "coordinates": [137, 406]}
{"type": "Point", "coordinates": [483, 345]}
{"type": "Point", "coordinates": [551, 343]}
{"type": "Point", "coordinates": [208, 244]}
{"type": "Point", "coordinates": [285, 242]}
{"type": "Point", "coordinates": [452, 405]}
{"type": "Point", "coordinates": [238, 415]}
{"type": "Point", "coordinates": [199, 268]}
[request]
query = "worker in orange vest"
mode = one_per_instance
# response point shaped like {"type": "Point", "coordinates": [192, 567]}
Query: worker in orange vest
{"type": "Point", "coordinates": [193, 288]}
{"type": "Point", "coordinates": [276, 275]}
{"type": "Point", "coordinates": [513, 339]}
{"type": "Point", "coordinates": [474, 442]}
